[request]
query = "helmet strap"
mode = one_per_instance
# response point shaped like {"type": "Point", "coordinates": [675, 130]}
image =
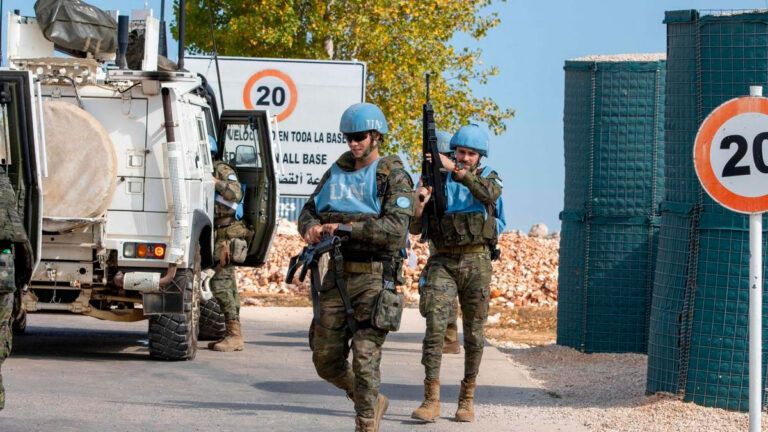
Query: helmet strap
{"type": "Point", "coordinates": [374, 145]}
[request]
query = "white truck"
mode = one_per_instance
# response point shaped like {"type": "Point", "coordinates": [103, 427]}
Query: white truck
{"type": "Point", "coordinates": [128, 192]}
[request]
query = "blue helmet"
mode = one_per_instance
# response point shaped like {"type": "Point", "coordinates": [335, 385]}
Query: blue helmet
{"type": "Point", "coordinates": [444, 142]}
{"type": "Point", "coordinates": [471, 137]}
{"type": "Point", "coordinates": [362, 117]}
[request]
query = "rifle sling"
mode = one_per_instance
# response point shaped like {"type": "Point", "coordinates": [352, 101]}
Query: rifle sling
{"type": "Point", "coordinates": [341, 285]}
{"type": "Point", "coordinates": [314, 289]}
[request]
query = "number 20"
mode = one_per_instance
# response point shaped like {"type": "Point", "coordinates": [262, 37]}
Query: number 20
{"type": "Point", "coordinates": [732, 168]}
{"type": "Point", "coordinates": [278, 96]}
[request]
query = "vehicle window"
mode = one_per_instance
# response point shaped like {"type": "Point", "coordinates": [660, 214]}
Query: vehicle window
{"type": "Point", "coordinates": [204, 140]}
{"type": "Point", "coordinates": [241, 147]}
{"type": "Point", "coordinates": [209, 125]}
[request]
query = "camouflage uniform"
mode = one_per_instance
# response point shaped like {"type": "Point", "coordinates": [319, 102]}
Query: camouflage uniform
{"type": "Point", "coordinates": [372, 236]}
{"type": "Point", "coordinates": [223, 283]}
{"type": "Point", "coordinates": [461, 266]}
{"type": "Point", "coordinates": [12, 237]}
{"type": "Point", "coordinates": [451, 341]}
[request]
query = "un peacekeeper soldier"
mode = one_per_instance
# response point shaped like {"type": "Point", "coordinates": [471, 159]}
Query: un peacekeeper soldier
{"type": "Point", "coordinates": [451, 342]}
{"type": "Point", "coordinates": [372, 195]}
{"type": "Point", "coordinates": [229, 194]}
{"type": "Point", "coordinates": [13, 243]}
{"type": "Point", "coordinates": [461, 266]}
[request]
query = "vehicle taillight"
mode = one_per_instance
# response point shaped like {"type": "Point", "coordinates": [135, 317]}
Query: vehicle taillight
{"type": "Point", "coordinates": [144, 250]}
{"type": "Point", "coordinates": [159, 251]}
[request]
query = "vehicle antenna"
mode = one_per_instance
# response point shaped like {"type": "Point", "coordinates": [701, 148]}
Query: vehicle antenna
{"type": "Point", "coordinates": [216, 54]}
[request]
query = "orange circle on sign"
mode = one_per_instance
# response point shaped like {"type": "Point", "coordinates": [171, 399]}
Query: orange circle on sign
{"type": "Point", "coordinates": [702, 151]}
{"type": "Point", "coordinates": [279, 75]}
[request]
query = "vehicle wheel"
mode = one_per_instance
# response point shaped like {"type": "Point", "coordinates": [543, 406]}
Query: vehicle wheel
{"type": "Point", "coordinates": [212, 325]}
{"type": "Point", "coordinates": [174, 336]}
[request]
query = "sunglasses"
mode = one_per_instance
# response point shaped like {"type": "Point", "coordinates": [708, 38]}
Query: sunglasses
{"type": "Point", "coordinates": [357, 136]}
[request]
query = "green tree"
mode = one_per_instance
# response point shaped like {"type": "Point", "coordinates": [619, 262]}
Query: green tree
{"type": "Point", "coordinates": [400, 40]}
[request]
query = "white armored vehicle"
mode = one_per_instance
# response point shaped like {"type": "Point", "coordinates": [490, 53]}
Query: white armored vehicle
{"type": "Point", "coordinates": [128, 191]}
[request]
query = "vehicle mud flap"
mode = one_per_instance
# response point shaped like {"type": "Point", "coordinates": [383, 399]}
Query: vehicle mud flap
{"type": "Point", "coordinates": [169, 301]}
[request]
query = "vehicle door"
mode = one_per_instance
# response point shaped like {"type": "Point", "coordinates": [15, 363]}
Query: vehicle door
{"type": "Point", "coordinates": [20, 135]}
{"type": "Point", "coordinates": [245, 143]}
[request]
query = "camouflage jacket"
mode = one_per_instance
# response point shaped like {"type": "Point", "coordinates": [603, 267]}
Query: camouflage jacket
{"type": "Point", "coordinates": [384, 234]}
{"type": "Point", "coordinates": [13, 232]}
{"type": "Point", "coordinates": [229, 192]}
{"type": "Point", "coordinates": [463, 229]}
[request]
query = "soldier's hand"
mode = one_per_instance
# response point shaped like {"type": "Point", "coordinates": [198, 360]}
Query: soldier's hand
{"type": "Point", "coordinates": [424, 193]}
{"type": "Point", "coordinates": [224, 256]}
{"type": "Point", "coordinates": [313, 234]}
{"type": "Point", "coordinates": [330, 228]}
{"type": "Point", "coordinates": [447, 162]}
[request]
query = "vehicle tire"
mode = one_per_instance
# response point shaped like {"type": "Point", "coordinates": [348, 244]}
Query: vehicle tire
{"type": "Point", "coordinates": [212, 325]}
{"type": "Point", "coordinates": [174, 336]}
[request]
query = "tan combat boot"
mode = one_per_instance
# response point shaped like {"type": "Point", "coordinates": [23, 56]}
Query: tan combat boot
{"type": "Point", "coordinates": [430, 408]}
{"type": "Point", "coordinates": [233, 340]}
{"type": "Point", "coordinates": [365, 424]}
{"type": "Point", "coordinates": [466, 411]}
{"type": "Point", "coordinates": [346, 382]}
{"type": "Point", "coordinates": [451, 341]}
{"type": "Point", "coordinates": [382, 403]}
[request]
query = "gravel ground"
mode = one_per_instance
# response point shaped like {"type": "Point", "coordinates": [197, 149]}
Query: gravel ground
{"type": "Point", "coordinates": [606, 392]}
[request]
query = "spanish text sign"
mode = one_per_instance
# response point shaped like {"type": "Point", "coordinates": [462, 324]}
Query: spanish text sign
{"type": "Point", "coordinates": [731, 154]}
{"type": "Point", "coordinates": [307, 97]}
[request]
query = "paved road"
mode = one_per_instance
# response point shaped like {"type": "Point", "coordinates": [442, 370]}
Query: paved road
{"type": "Point", "coordinates": [72, 373]}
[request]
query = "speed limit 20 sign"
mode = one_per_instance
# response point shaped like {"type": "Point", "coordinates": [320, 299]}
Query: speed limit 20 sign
{"type": "Point", "coordinates": [271, 89]}
{"type": "Point", "coordinates": [731, 154]}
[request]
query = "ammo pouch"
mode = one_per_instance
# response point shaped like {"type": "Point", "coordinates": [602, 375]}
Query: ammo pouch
{"type": "Point", "coordinates": [388, 306]}
{"type": "Point", "coordinates": [238, 250]}
{"type": "Point", "coordinates": [387, 310]}
{"type": "Point", "coordinates": [7, 274]}
{"type": "Point", "coordinates": [393, 271]}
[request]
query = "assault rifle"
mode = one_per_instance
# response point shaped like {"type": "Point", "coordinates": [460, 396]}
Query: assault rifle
{"type": "Point", "coordinates": [308, 260]}
{"type": "Point", "coordinates": [430, 170]}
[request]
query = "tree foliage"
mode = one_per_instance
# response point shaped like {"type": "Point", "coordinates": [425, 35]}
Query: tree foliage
{"type": "Point", "coordinates": [400, 40]}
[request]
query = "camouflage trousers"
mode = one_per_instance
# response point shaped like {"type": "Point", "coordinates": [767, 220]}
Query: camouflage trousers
{"type": "Point", "coordinates": [444, 277]}
{"type": "Point", "coordinates": [224, 290]}
{"type": "Point", "coordinates": [331, 338]}
{"type": "Point", "coordinates": [224, 283]}
{"type": "Point", "coordinates": [6, 312]}
{"type": "Point", "coordinates": [452, 330]}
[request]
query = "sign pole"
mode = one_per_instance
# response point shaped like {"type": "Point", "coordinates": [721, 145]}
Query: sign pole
{"type": "Point", "coordinates": [755, 310]}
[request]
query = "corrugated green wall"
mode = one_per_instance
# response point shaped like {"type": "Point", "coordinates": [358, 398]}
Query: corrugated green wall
{"type": "Point", "coordinates": [613, 132]}
{"type": "Point", "coordinates": [698, 328]}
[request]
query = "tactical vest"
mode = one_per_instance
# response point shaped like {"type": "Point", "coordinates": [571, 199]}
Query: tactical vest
{"type": "Point", "coordinates": [466, 220]}
{"type": "Point", "coordinates": [350, 192]}
{"type": "Point", "coordinates": [225, 207]}
{"type": "Point", "coordinates": [355, 196]}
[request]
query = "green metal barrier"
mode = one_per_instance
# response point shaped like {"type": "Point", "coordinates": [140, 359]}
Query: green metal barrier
{"type": "Point", "coordinates": [614, 147]}
{"type": "Point", "coordinates": [698, 346]}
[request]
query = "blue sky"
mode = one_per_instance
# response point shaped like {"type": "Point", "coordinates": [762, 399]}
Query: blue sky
{"type": "Point", "coordinates": [530, 46]}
